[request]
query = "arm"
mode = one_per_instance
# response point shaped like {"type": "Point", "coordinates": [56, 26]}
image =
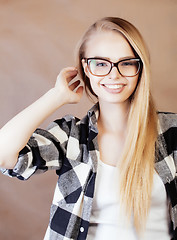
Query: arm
{"type": "Point", "coordinates": [16, 133]}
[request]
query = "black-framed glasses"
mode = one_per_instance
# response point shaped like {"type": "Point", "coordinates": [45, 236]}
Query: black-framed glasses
{"type": "Point", "coordinates": [101, 67]}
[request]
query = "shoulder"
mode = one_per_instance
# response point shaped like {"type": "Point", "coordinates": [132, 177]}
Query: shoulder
{"type": "Point", "coordinates": [69, 121]}
{"type": "Point", "coordinates": [73, 126]}
{"type": "Point", "coordinates": [167, 120]}
{"type": "Point", "coordinates": [65, 124]}
{"type": "Point", "coordinates": [68, 125]}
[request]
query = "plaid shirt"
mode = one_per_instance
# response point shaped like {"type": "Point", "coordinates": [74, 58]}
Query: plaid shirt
{"type": "Point", "coordinates": [70, 147]}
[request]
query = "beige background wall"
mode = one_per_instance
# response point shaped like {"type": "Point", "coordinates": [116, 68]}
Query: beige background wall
{"type": "Point", "coordinates": [37, 38]}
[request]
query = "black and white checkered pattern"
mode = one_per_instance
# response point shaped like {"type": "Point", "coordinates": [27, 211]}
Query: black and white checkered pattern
{"type": "Point", "coordinates": [70, 147]}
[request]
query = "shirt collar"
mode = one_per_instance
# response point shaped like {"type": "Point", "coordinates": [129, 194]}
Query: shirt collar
{"type": "Point", "coordinates": [93, 115]}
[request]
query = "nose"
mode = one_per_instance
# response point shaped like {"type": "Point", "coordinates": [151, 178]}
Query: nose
{"type": "Point", "coordinates": [114, 73]}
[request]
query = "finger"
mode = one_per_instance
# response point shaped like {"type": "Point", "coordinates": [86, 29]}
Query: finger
{"type": "Point", "coordinates": [77, 95]}
{"type": "Point", "coordinates": [68, 73]}
{"type": "Point", "coordinates": [74, 85]}
{"type": "Point", "coordinates": [80, 91]}
{"type": "Point", "coordinates": [70, 76]}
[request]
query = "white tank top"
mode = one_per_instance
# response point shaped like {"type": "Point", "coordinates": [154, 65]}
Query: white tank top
{"type": "Point", "coordinates": [108, 221]}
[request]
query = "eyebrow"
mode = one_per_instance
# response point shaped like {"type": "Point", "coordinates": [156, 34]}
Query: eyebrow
{"type": "Point", "coordinates": [107, 58]}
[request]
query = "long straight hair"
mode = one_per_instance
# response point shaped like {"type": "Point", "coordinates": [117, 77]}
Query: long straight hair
{"type": "Point", "coordinates": [137, 161]}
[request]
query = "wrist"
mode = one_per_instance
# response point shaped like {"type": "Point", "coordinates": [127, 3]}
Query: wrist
{"type": "Point", "coordinates": [57, 100]}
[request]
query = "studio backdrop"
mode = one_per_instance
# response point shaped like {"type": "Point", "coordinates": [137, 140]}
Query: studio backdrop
{"type": "Point", "coordinates": [38, 39]}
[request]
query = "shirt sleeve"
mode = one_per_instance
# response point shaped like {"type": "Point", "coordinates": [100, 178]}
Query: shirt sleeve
{"type": "Point", "coordinates": [45, 150]}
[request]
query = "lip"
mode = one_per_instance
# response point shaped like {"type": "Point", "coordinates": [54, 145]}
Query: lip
{"type": "Point", "coordinates": [114, 90]}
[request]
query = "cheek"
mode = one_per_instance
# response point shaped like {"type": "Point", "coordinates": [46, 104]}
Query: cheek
{"type": "Point", "coordinates": [94, 87]}
{"type": "Point", "coordinates": [133, 82]}
{"type": "Point", "coordinates": [95, 82]}
{"type": "Point", "coordinates": [133, 85]}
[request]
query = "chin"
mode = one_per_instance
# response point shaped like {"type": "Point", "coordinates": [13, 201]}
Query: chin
{"type": "Point", "coordinates": [114, 101]}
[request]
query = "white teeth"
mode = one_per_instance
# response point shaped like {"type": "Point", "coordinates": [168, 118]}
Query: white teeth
{"type": "Point", "coordinates": [114, 86]}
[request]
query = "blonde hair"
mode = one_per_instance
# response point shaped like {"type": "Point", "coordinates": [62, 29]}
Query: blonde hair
{"type": "Point", "coordinates": [137, 165]}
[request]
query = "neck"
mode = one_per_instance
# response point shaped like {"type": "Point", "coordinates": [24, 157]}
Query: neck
{"type": "Point", "coordinates": [113, 117]}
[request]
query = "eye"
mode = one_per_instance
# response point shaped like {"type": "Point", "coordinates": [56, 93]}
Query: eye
{"type": "Point", "coordinates": [129, 63]}
{"type": "Point", "coordinates": [99, 63]}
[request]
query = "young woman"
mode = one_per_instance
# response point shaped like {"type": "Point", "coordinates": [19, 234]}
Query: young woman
{"type": "Point", "coordinates": [117, 165]}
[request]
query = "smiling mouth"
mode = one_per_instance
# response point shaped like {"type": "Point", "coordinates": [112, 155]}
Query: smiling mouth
{"type": "Point", "coordinates": [114, 86]}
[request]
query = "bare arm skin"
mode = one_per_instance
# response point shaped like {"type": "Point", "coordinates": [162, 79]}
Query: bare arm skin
{"type": "Point", "coordinates": [16, 133]}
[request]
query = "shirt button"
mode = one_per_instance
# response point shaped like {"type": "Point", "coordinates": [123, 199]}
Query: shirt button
{"type": "Point", "coordinates": [82, 229]}
{"type": "Point", "coordinates": [168, 179]}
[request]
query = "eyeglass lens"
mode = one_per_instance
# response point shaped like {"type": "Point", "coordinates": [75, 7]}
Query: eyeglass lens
{"type": "Point", "coordinates": [101, 67]}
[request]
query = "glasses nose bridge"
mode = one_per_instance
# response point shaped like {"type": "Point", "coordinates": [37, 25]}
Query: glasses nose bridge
{"type": "Point", "coordinates": [115, 65]}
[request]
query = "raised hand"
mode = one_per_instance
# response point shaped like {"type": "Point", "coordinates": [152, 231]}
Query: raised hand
{"type": "Point", "coordinates": [66, 89]}
{"type": "Point", "coordinates": [18, 130]}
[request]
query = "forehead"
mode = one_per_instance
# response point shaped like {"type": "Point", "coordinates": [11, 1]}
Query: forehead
{"type": "Point", "coordinates": [110, 44]}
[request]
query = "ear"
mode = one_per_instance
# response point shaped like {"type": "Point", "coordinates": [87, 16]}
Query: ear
{"type": "Point", "coordinates": [85, 67]}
